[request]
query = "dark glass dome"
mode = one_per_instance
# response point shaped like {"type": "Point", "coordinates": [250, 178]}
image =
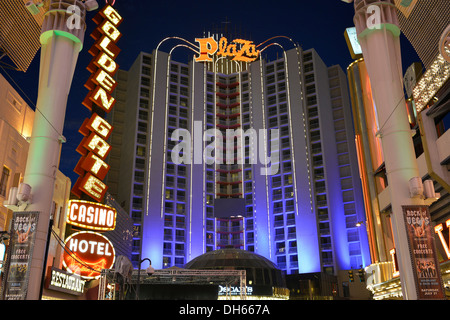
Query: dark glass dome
{"type": "Point", "coordinates": [259, 270]}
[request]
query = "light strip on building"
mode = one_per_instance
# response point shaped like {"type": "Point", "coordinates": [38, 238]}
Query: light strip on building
{"type": "Point", "coordinates": [192, 160]}
{"type": "Point", "coordinates": [290, 132]}
{"type": "Point", "coordinates": [430, 83]}
{"type": "Point", "coordinates": [263, 107]}
{"type": "Point", "coordinates": [164, 162]}
{"type": "Point", "coordinates": [308, 164]}
{"type": "Point", "coordinates": [150, 145]}
{"type": "Point", "coordinates": [205, 104]}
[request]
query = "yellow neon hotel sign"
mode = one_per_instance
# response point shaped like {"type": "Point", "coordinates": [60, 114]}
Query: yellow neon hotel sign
{"type": "Point", "coordinates": [239, 49]}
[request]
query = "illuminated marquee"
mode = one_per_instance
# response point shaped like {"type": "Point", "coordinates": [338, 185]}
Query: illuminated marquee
{"type": "Point", "coordinates": [239, 49]}
{"type": "Point", "coordinates": [94, 147]}
{"type": "Point", "coordinates": [443, 230]}
{"type": "Point", "coordinates": [91, 215]}
{"type": "Point", "coordinates": [86, 253]}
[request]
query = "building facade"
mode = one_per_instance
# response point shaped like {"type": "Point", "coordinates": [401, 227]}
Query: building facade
{"type": "Point", "coordinates": [16, 122]}
{"type": "Point", "coordinates": [301, 213]}
{"type": "Point", "coordinates": [426, 89]}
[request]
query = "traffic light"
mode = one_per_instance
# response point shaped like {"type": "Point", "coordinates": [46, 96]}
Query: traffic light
{"type": "Point", "coordinates": [361, 274]}
{"type": "Point", "coordinates": [350, 276]}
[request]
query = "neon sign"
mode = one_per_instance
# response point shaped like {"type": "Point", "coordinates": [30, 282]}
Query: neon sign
{"type": "Point", "coordinates": [395, 272]}
{"type": "Point", "coordinates": [94, 147]}
{"type": "Point", "coordinates": [239, 49]}
{"type": "Point", "coordinates": [441, 229]}
{"type": "Point", "coordinates": [91, 215]}
{"type": "Point", "coordinates": [65, 282]}
{"type": "Point", "coordinates": [86, 253]}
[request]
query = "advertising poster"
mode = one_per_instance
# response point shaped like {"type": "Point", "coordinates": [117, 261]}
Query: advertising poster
{"type": "Point", "coordinates": [423, 253]}
{"type": "Point", "coordinates": [23, 234]}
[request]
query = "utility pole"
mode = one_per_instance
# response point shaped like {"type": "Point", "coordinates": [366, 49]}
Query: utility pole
{"type": "Point", "coordinates": [61, 39]}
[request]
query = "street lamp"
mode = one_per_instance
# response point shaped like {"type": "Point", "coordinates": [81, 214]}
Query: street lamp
{"type": "Point", "coordinates": [150, 271]}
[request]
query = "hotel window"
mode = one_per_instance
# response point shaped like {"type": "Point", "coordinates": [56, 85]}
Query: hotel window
{"type": "Point", "coordinates": [137, 203]}
{"type": "Point", "coordinates": [288, 192]}
{"type": "Point", "coordinates": [143, 104]}
{"type": "Point", "coordinates": [183, 102]}
{"type": "Point", "coordinates": [184, 70]}
{"type": "Point", "coordinates": [145, 82]}
{"type": "Point", "coordinates": [307, 57]}
{"type": "Point", "coordinates": [277, 194]}
{"type": "Point", "coordinates": [4, 180]}
{"type": "Point", "coordinates": [139, 176]}
{"type": "Point", "coordinates": [309, 67]}
{"type": "Point", "coordinates": [146, 60]}
{"type": "Point", "coordinates": [168, 207]}
{"type": "Point", "coordinates": [311, 89]}
{"type": "Point", "coordinates": [280, 65]}
{"type": "Point", "coordinates": [146, 71]}
{"type": "Point", "coordinates": [169, 194]}
{"type": "Point", "coordinates": [173, 99]}
{"type": "Point", "coordinates": [271, 79]}
{"type": "Point", "coordinates": [181, 183]}
{"type": "Point", "coordinates": [184, 81]}
{"type": "Point", "coordinates": [143, 115]}
{"type": "Point", "coordinates": [145, 92]}
{"type": "Point", "coordinates": [184, 91]}
{"type": "Point", "coordinates": [287, 179]}
{"type": "Point", "coordinates": [140, 151]}
{"type": "Point", "coordinates": [270, 68]}
{"type": "Point", "coordinates": [309, 78]}
{"type": "Point", "coordinates": [174, 78]}
{"type": "Point", "coordinates": [311, 100]}
{"type": "Point", "coordinates": [276, 181]}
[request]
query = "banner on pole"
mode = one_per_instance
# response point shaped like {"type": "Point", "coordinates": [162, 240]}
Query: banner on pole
{"type": "Point", "coordinates": [422, 249]}
{"type": "Point", "coordinates": [23, 235]}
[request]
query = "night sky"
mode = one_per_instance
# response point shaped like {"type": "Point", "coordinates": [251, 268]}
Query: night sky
{"type": "Point", "coordinates": [313, 24]}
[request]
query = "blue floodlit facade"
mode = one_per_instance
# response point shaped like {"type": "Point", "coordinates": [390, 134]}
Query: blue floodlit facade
{"type": "Point", "coordinates": [302, 216]}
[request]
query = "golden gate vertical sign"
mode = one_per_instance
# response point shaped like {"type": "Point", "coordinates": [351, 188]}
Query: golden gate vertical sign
{"type": "Point", "coordinates": [94, 149]}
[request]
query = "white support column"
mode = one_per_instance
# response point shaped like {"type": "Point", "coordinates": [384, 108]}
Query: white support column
{"type": "Point", "coordinates": [378, 33]}
{"type": "Point", "coordinates": [60, 49]}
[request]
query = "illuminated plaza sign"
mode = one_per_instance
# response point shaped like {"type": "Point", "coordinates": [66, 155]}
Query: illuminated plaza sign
{"type": "Point", "coordinates": [91, 215]}
{"type": "Point", "coordinates": [86, 253]}
{"type": "Point", "coordinates": [94, 148]}
{"type": "Point", "coordinates": [238, 49]}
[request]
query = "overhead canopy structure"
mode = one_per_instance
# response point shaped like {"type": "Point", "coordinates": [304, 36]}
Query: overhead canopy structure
{"type": "Point", "coordinates": [19, 32]}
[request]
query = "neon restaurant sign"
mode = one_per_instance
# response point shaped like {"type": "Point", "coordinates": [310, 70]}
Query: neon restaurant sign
{"type": "Point", "coordinates": [94, 149]}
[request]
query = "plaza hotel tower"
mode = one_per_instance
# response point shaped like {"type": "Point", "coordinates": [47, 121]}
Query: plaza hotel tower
{"type": "Point", "coordinates": [302, 215]}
